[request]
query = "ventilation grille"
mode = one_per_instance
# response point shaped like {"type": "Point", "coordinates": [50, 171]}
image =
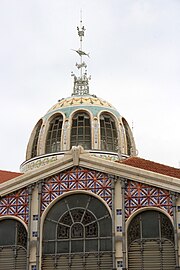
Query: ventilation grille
{"type": "Point", "coordinates": [78, 261]}
{"type": "Point", "coordinates": [148, 255]}
{"type": "Point", "coordinates": [12, 258]}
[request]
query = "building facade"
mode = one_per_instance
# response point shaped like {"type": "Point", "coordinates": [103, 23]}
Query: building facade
{"type": "Point", "coordinates": [83, 199]}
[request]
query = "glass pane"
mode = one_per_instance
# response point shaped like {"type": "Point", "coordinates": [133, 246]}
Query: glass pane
{"type": "Point", "coordinates": [77, 200]}
{"type": "Point", "coordinates": [57, 210]}
{"type": "Point", "coordinates": [92, 230]}
{"type": "Point", "coordinates": [77, 246]}
{"type": "Point", "coordinates": [91, 245]}
{"type": "Point", "coordinates": [88, 218]}
{"type": "Point", "coordinates": [63, 247]}
{"type": "Point", "coordinates": [66, 219]}
{"type": "Point", "coordinates": [77, 214]}
{"type": "Point", "coordinates": [77, 231]}
{"type": "Point", "coordinates": [49, 232]}
{"type": "Point", "coordinates": [62, 232]}
{"type": "Point", "coordinates": [98, 209]}
{"type": "Point", "coordinates": [48, 247]}
{"type": "Point", "coordinates": [21, 235]}
{"type": "Point", "coordinates": [105, 227]}
{"type": "Point", "coordinates": [150, 224]}
{"type": "Point", "coordinates": [167, 230]}
{"type": "Point", "coordinates": [7, 232]}
{"type": "Point", "coordinates": [105, 244]}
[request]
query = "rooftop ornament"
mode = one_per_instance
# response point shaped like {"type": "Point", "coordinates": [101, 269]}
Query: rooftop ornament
{"type": "Point", "coordinates": [81, 83]}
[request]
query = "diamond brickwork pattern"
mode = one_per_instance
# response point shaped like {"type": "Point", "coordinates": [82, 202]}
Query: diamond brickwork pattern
{"type": "Point", "coordinates": [138, 195]}
{"type": "Point", "coordinates": [16, 204]}
{"type": "Point", "coordinates": [76, 178]}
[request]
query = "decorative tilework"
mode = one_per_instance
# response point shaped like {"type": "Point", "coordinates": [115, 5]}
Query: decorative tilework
{"type": "Point", "coordinates": [76, 178]}
{"type": "Point", "coordinates": [138, 195]}
{"type": "Point", "coordinates": [119, 228]}
{"type": "Point", "coordinates": [16, 204]}
{"type": "Point", "coordinates": [118, 212]}
{"type": "Point", "coordinates": [119, 264]}
{"type": "Point", "coordinates": [35, 217]}
{"type": "Point", "coordinates": [34, 234]}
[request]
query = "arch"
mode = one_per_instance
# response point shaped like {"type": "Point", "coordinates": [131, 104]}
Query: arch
{"type": "Point", "coordinates": [128, 137]}
{"type": "Point", "coordinates": [81, 130]}
{"type": "Point", "coordinates": [35, 139]}
{"type": "Point", "coordinates": [108, 132]}
{"type": "Point", "coordinates": [13, 244]}
{"type": "Point", "coordinates": [53, 137]}
{"type": "Point", "coordinates": [151, 241]}
{"type": "Point", "coordinates": [77, 231]}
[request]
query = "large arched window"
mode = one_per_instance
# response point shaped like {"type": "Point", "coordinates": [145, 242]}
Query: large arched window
{"type": "Point", "coordinates": [35, 140]}
{"type": "Point", "coordinates": [78, 232]}
{"type": "Point", "coordinates": [81, 130]}
{"type": "Point", "coordinates": [53, 140]}
{"type": "Point", "coordinates": [13, 245]}
{"type": "Point", "coordinates": [151, 242]}
{"type": "Point", "coordinates": [109, 137]}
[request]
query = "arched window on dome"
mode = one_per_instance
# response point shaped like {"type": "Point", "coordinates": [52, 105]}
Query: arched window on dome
{"type": "Point", "coordinates": [109, 136]}
{"type": "Point", "coordinates": [13, 244]}
{"type": "Point", "coordinates": [35, 141]}
{"type": "Point", "coordinates": [53, 140]}
{"type": "Point", "coordinates": [128, 138]}
{"type": "Point", "coordinates": [81, 130]}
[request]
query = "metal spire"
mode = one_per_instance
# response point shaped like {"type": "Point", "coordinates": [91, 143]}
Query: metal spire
{"type": "Point", "coordinates": [81, 83]}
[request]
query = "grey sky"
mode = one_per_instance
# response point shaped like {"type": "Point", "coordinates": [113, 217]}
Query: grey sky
{"type": "Point", "coordinates": [134, 63]}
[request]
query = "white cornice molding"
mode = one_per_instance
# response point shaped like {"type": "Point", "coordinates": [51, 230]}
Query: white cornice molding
{"type": "Point", "coordinates": [93, 163]}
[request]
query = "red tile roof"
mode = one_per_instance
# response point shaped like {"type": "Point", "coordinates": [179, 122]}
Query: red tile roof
{"type": "Point", "coordinates": [5, 176]}
{"type": "Point", "coordinates": [152, 166]}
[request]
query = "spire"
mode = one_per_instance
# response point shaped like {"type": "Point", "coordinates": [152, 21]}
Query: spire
{"type": "Point", "coordinates": [81, 83]}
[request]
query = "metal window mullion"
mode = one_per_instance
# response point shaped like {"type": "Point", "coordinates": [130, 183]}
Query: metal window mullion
{"type": "Point", "coordinates": [85, 209]}
{"type": "Point", "coordinates": [141, 243]}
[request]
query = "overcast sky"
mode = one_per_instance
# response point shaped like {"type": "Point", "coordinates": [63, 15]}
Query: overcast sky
{"type": "Point", "coordinates": [134, 61]}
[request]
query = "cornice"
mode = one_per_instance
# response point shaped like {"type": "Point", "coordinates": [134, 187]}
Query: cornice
{"type": "Point", "coordinates": [84, 159]}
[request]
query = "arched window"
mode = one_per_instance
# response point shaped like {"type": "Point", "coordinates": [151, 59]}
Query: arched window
{"type": "Point", "coordinates": [151, 242]}
{"type": "Point", "coordinates": [53, 140]}
{"type": "Point", "coordinates": [109, 137]}
{"type": "Point", "coordinates": [13, 245]}
{"type": "Point", "coordinates": [35, 141]}
{"type": "Point", "coordinates": [127, 134]}
{"type": "Point", "coordinates": [78, 231]}
{"type": "Point", "coordinates": [81, 130]}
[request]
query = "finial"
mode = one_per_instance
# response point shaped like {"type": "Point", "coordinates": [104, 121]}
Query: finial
{"type": "Point", "coordinates": [81, 83]}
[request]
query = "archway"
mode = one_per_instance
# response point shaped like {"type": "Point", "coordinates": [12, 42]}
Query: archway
{"type": "Point", "coordinates": [77, 234]}
{"type": "Point", "coordinates": [13, 245]}
{"type": "Point", "coordinates": [151, 242]}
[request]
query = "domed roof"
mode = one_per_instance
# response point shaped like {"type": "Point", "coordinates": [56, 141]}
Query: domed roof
{"type": "Point", "coordinates": [81, 101]}
{"type": "Point", "coordinates": [81, 119]}
{"type": "Point", "coordinates": [92, 103]}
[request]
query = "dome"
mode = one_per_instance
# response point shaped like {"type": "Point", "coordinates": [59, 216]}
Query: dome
{"type": "Point", "coordinates": [84, 120]}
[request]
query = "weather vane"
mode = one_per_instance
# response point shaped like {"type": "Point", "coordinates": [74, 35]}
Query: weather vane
{"type": "Point", "coordinates": [81, 83]}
